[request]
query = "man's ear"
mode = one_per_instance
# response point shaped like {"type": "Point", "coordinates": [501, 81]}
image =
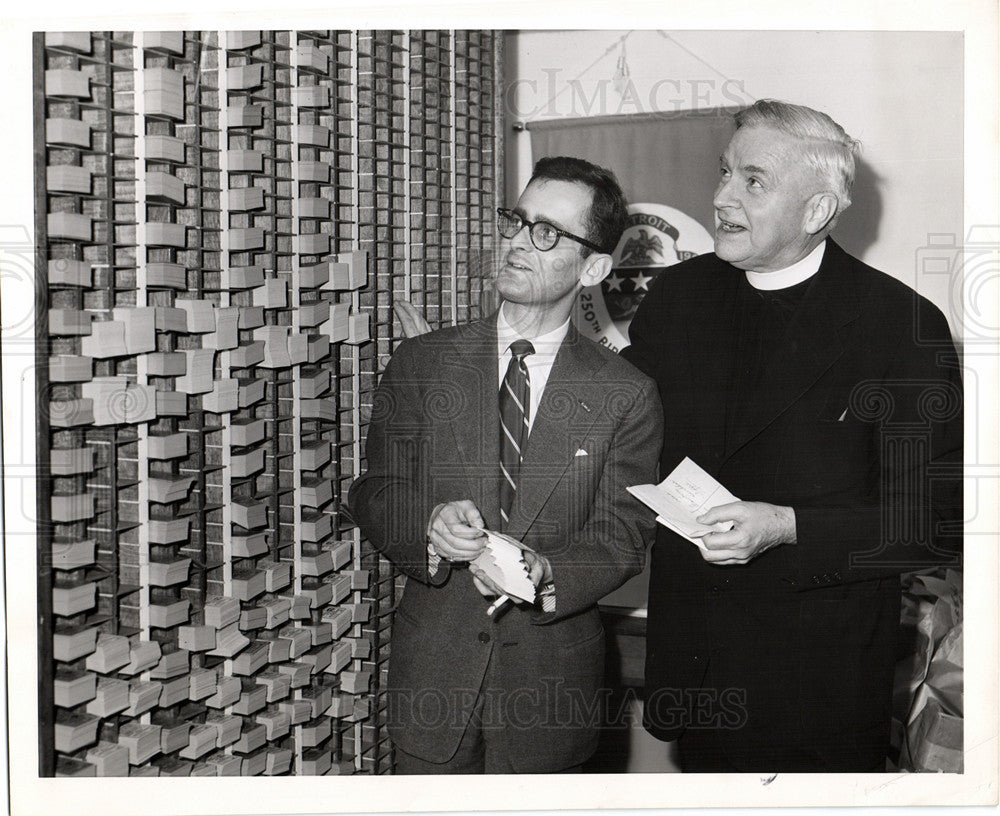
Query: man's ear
{"type": "Point", "coordinates": [595, 269]}
{"type": "Point", "coordinates": [820, 210]}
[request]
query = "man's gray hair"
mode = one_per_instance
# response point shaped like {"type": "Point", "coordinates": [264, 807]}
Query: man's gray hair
{"type": "Point", "coordinates": [827, 147]}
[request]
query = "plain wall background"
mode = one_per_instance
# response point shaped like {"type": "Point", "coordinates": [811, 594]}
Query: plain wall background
{"type": "Point", "coordinates": [900, 93]}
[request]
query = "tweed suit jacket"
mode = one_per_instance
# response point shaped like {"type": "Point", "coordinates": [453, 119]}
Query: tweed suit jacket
{"type": "Point", "coordinates": [434, 438]}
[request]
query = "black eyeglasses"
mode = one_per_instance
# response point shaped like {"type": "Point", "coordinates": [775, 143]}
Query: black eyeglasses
{"type": "Point", "coordinates": [544, 235]}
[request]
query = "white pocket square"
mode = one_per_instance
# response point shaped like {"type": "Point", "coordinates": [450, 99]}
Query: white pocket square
{"type": "Point", "coordinates": [581, 452]}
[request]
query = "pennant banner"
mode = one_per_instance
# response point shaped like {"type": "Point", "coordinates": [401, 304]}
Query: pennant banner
{"type": "Point", "coordinates": [668, 165]}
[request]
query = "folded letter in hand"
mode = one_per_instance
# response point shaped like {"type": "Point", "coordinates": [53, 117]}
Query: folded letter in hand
{"type": "Point", "coordinates": [683, 496]}
{"type": "Point", "coordinates": [503, 562]}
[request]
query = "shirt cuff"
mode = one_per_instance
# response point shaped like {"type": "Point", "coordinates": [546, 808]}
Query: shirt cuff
{"type": "Point", "coordinates": [433, 559]}
{"type": "Point", "coordinates": [547, 597]}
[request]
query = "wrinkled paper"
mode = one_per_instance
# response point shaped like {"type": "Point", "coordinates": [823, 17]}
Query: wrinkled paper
{"type": "Point", "coordinates": [927, 695]}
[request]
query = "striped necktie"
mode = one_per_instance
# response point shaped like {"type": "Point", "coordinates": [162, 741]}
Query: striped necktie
{"type": "Point", "coordinates": [514, 400]}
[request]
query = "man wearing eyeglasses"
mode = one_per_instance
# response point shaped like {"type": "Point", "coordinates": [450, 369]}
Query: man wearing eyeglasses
{"type": "Point", "coordinates": [514, 424]}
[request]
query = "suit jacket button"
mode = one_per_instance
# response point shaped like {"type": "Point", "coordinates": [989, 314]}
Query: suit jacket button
{"type": "Point", "coordinates": [484, 637]}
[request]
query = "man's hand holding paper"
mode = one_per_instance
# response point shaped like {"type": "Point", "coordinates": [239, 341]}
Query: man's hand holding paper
{"type": "Point", "coordinates": [754, 528]}
{"type": "Point", "coordinates": [539, 568]}
{"type": "Point", "coordinates": [455, 531]}
{"type": "Point", "coordinates": [727, 531]}
{"type": "Point", "coordinates": [507, 567]}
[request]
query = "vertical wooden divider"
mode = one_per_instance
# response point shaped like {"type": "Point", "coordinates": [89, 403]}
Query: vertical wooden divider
{"type": "Point", "coordinates": [293, 58]}
{"type": "Point", "coordinates": [453, 144]}
{"type": "Point", "coordinates": [356, 358]}
{"type": "Point", "coordinates": [225, 301]}
{"type": "Point", "coordinates": [139, 104]}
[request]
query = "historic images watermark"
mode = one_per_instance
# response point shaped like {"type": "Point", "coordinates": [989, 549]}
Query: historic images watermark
{"type": "Point", "coordinates": [555, 703]}
{"type": "Point", "coordinates": [971, 270]}
{"type": "Point", "coordinates": [557, 95]}
{"type": "Point", "coordinates": [17, 281]}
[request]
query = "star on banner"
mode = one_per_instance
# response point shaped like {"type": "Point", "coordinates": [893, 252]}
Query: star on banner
{"type": "Point", "coordinates": [614, 282]}
{"type": "Point", "coordinates": [641, 281]}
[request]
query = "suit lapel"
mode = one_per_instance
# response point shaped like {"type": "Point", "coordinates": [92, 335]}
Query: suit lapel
{"type": "Point", "coordinates": [810, 346]}
{"type": "Point", "coordinates": [471, 364]}
{"type": "Point", "coordinates": [571, 403]}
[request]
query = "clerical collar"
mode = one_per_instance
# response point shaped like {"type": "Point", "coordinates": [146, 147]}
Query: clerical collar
{"type": "Point", "coordinates": [544, 343]}
{"type": "Point", "coordinates": [798, 272]}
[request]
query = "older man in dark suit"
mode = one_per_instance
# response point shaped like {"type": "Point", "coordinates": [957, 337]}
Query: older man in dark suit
{"type": "Point", "coordinates": [542, 452]}
{"type": "Point", "coordinates": [826, 395]}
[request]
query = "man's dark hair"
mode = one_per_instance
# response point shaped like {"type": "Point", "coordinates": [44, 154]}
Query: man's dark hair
{"type": "Point", "coordinates": [608, 216]}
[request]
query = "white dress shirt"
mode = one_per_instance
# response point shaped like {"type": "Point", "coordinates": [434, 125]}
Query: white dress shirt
{"type": "Point", "coordinates": [539, 364]}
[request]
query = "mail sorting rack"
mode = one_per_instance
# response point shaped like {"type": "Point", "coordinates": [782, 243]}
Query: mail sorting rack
{"type": "Point", "coordinates": [225, 221]}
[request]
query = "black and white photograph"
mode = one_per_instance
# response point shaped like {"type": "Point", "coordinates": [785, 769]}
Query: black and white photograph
{"type": "Point", "coordinates": [500, 393]}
